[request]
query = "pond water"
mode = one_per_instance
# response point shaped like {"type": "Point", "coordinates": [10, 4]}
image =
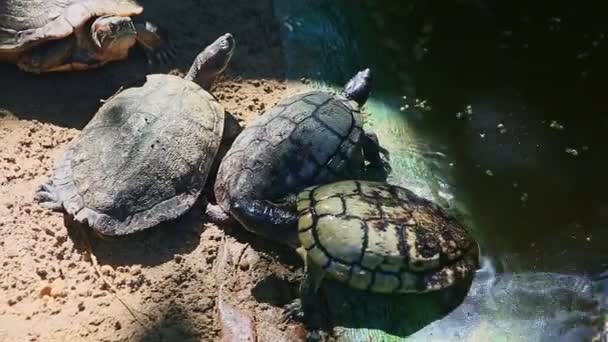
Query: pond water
{"type": "Point", "coordinates": [495, 111]}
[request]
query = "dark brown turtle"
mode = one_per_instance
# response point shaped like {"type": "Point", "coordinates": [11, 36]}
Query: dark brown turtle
{"type": "Point", "coordinates": [63, 35]}
{"type": "Point", "coordinates": [310, 138]}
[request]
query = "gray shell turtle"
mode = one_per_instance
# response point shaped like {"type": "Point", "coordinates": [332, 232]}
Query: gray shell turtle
{"type": "Point", "coordinates": [63, 35]}
{"type": "Point", "coordinates": [145, 156]}
{"type": "Point", "coordinates": [311, 138]}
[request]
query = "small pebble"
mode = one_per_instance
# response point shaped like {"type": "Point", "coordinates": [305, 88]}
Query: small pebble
{"type": "Point", "coordinates": [58, 289]}
{"type": "Point", "coordinates": [107, 270]}
{"type": "Point", "coordinates": [556, 125]}
{"type": "Point", "coordinates": [244, 264]}
{"type": "Point", "coordinates": [135, 270]}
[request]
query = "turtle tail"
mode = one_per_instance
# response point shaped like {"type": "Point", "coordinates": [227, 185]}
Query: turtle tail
{"type": "Point", "coordinates": [273, 221]}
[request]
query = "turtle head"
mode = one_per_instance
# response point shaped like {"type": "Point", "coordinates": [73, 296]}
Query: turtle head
{"type": "Point", "coordinates": [113, 35]}
{"type": "Point", "coordinates": [359, 87]}
{"type": "Point", "coordinates": [212, 61]}
{"type": "Point", "coordinates": [274, 221]}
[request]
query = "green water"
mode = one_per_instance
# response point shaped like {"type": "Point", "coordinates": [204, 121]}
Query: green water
{"type": "Point", "coordinates": [495, 111]}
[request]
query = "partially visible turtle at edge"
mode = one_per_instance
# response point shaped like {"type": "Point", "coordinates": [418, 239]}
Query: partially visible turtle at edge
{"type": "Point", "coordinates": [145, 156]}
{"type": "Point", "coordinates": [64, 35]}
{"type": "Point", "coordinates": [311, 138]}
{"type": "Point", "coordinates": [374, 237]}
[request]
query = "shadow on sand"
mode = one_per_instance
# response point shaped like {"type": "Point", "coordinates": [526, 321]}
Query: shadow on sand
{"type": "Point", "coordinates": [71, 99]}
{"type": "Point", "coordinates": [150, 247]}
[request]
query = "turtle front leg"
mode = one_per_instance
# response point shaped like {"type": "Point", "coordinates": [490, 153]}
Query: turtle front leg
{"type": "Point", "coordinates": [307, 308]}
{"type": "Point", "coordinates": [155, 42]}
{"type": "Point", "coordinates": [217, 215]}
{"type": "Point", "coordinates": [274, 221]}
{"type": "Point", "coordinates": [53, 56]}
{"type": "Point", "coordinates": [378, 157]}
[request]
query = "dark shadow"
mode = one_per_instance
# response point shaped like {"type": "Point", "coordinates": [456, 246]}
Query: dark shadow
{"type": "Point", "coordinates": [397, 314]}
{"type": "Point", "coordinates": [275, 290]}
{"type": "Point", "coordinates": [281, 253]}
{"type": "Point", "coordinates": [173, 325]}
{"type": "Point", "coordinates": [346, 308]}
{"type": "Point", "coordinates": [71, 99]}
{"type": "Point", "coordinates": [149, 247]}
{"type": "Point", "coordinates": [520, 65]}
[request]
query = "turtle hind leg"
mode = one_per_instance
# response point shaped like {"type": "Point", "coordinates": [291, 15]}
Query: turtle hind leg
{"type": "Point", "coordinates": [378, 157]}
{"type": "Point", "coordinates": [155, 42]}
{"type": "Point", "coordinates": [307, 308]}
{"type": "Point", "coordinates": [47, 197]}
{"type": "Point", "coordinates": [217, 215]}
{"type": "Point", "coordinates": [274, 221]}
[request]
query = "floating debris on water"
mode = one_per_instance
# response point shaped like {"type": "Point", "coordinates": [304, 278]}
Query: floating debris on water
{"type": "Point", "coordinates": [556, 125]}
{"type": "Point", "coordinates": [524, 197]}
{"type": "Point", "coordinates": [501, 128]}
{"type": "Point", "coordinates": [489, 172]}
{"type": "Point", "coordinates": [469, 110]}
{"type": "Point", "coordinates": [572, 151]}
{"type": "Point", "coordinates": [417, 103]}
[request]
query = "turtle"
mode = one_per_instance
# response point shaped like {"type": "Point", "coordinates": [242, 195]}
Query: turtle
{"type": "Point", "coordinates": [375, 237]}
{"type": "Point", "coordinates": [145, 156]}
{"type": "Point", "coordinates": [309, 138]}
{"type": "Point", "coordinates": [64, 35]}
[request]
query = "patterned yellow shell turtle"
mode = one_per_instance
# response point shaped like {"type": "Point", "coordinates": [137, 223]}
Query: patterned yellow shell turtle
{"type": "Point", "coordinates": [381, 238]}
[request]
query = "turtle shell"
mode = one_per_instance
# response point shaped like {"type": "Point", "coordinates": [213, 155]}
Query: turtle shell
{"type": "Point", "coordinates": [307, 139]}
{"type": "Point", "coordinates": [143, 158]}
{"type": "Point", "coordinates": [383, 238]}
{"type": "Point", "coordinates": [27, 23]}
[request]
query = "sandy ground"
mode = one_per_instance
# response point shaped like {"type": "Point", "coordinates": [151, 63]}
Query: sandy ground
{"type": "Point", "coordinates": [162, 284]}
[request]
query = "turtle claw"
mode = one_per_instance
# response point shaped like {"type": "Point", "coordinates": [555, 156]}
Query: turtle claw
{"type": "Point", "coordinates": [154, 40]}
{"type": "Point", "coordinates": [293, 311]}
{"type": "Point", "coordinates": [216, 214]}
{"type": "Point", "coordinates": [46, 198]}
{"type": "Point", "coordinates": [164, 56]}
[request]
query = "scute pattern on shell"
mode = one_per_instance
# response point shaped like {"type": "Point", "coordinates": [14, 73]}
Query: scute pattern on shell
{"type": "Point", "coordinates": [143, 158]}
{"type": "Point", "coordinates": [306, 139]}
{"type": "Point", "coordinates": [383, 238]}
